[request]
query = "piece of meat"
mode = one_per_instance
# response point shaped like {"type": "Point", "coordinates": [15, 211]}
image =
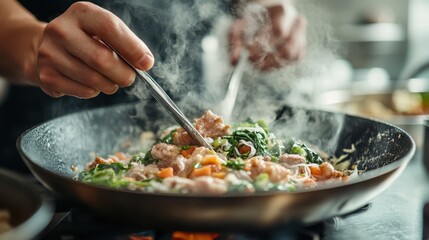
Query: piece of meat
{"type": "Point", "coordinates": [169, 156]}
{"type": "Point", "coordinates": [291, 159]}
{"type": "Point", "coordinates": [182, 138]}
{"type": "Point", "coordinates": [209, 125]}
{"type": "Point", "coordinates": [139, 171]}
{"type": "Point", "coordinates": [275, 171]}
{"type": "Point", "coordinates": [179, 183]}
{"type": "Point", "coordinates": [100, 160]}
{"type": "Point", "coordinates": [179, 164]}
{"type": "Point", "coordinates": [209, 185]}
{"type": "Point", "coordinates": [327, 171]}
{"type": "Point", "coordinates": [196, 157]}
{"type": "Point", "coordinates": [165, 154]}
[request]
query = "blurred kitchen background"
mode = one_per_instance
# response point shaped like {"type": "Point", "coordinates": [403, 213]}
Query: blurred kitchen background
{"type": "Point", "coordinates": [388, 36]}
{"type": "Point", "coordinates": [382, 70]}
{"type": "Point", "coordinates": [382, 48]}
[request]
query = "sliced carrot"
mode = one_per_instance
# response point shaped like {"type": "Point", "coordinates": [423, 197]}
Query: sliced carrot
{"type": "Point", "coordinates": [315, 170]}
{"type": "Point", "coordinates": [215, 168]}
{"type": "Point", "coordinates": [187, 152]}
{"type": "Point", "coordinates": [194, 236]}
{"type": "Point", "coordinates": [135, 237]}
{"type": "Point", "coordinates": [100, 160]}
{"type": "Point", "coordinates": [121, 155]}
{"type": "Point", "coordinates": [166, 172]}
{"type": "Point", "coordinates": [211, 160]}
{"type": "Point", "coordinates": [203, 171]}
{"type": "Point", "coordinates": [244, 149]}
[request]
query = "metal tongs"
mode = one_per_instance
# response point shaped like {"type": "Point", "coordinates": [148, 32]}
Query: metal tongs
{"type": "Point", "coordinates": [162, 97]}
{"type": "Point", "coordinates": [228, 103]}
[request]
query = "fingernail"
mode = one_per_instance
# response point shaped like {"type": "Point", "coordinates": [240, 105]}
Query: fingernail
{"type": "Point", "coordinates": [147, 62]}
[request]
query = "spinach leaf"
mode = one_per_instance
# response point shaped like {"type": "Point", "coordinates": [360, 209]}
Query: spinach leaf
{"type": "Point", "coordinates": [310, 155]}
{"type": "Point", "coordinates": [257, 136]}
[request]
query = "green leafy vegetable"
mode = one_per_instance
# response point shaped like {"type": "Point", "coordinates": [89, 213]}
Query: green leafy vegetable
{"type": "Point", "coordinates": [169, 138]}
{"type": "Point", "coordinates": [302, 150]}
{"type": "Point", "coordinates": [235, 164]}
{"type": "Point", "coordinates": [144, 158]}
{"type": "Point", "coordinates": [106, 174]}
{"type": "Point", "coordinates": [251, 132]}
{"type": "Point", "coordinates": [186, 147]}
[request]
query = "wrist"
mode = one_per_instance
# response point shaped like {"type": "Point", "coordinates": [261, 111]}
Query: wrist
{"type": "Point", "coordinates": [34, 35]}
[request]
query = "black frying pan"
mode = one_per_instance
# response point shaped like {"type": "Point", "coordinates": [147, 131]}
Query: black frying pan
{"type": "Point", "coordinates": [51, 148]}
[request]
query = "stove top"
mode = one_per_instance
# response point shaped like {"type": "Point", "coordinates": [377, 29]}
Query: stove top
{"type": "Point", "coordinates": [71, 222]}
{"type": "Point", "coordinates": [81, 224]}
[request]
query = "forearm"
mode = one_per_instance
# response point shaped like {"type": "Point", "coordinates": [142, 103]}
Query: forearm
{"type": "Point", "coordinates": [20, 37]}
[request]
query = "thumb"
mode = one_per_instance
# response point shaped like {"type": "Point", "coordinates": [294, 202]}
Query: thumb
{"type": "Point", "coordinates": [282, 18]}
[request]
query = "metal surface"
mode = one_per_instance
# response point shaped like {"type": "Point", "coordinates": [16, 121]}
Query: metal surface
{"type": "Point", "coordinates": [53, 147]}
{"type": "Point", "coordinates": [426, 144]}
{"type": "Point", "coordinates": [30, 213]}
{"type": "Point", "coordinates": [162, 97]}
{"type": "Point", "coordinates": [228, 103]}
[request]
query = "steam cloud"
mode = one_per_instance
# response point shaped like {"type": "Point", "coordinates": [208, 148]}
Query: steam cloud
{"type": "Point", "coordinates": [196, 78]}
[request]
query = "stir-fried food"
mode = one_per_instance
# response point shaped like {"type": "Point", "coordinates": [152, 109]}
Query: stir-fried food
{"type": "Point", "coordinates": [245, 158]}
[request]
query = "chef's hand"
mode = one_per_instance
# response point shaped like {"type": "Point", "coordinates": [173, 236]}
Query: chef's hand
{"type": "Point", "coordinates": [279, 41]}
{"type": "Point", "coordinates": [73, 60]}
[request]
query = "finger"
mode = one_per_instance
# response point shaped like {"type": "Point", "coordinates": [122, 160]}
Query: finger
{"type": "Point", "coordinates": [55, 84]}
{"type": "Point", "coordinates": [75, 69]}
{"type": "Point", "coordinates": [293, 47]}
{"type": "Point", "coordinates": [268, 63]}
{"type": "Point", "coordinates": [255, 51]}
{"type": "Point", "coordinates": [100, 58]}
{"type": "Point", "coordinates": [279, 27]}
{"type": "Point", "coordinates": [236, 35]}
{"type": "Point", "coordinates": [64, 33]}
{"type": "Point", "coordinates": [261, 44]}
{"type": "Point", "coordinates": [282, 18]}
{"type": "Point", "coordinates": [97, 21]}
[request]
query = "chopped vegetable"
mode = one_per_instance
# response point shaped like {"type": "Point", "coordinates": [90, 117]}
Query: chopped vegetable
{"type": "Point", "coordinates": [247, 158]}
{"type": "Point", "coordinates": [187, 151]}
{"type": "Point", "coordinates": [166, 172]}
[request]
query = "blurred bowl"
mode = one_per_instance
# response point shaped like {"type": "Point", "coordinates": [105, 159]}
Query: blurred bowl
{"type": "Point", "coordinates": [29, 212]}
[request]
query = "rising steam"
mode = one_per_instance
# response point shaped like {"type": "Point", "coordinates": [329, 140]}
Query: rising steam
{"type": "Point", "coordinates": [196, 76]}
